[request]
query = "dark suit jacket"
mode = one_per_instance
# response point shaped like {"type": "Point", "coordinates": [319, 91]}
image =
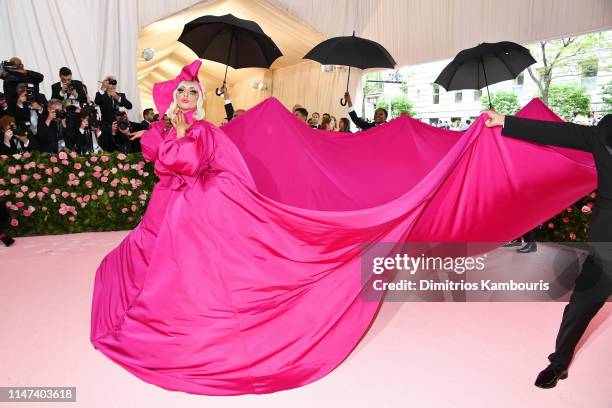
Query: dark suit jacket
{"type": "Point", "coordinates": [11, 81]}
{"type": "Point", "coordinates": [360, 123]}
{"type": "Point", "coordinates": [47, 136]}
{"type": "Point", "coordinates": [57, 87]}
{"type": "Point", "coordinates": [108, 105]}
{"type": "Point", "coordinates": [22, 114]}
{"type": "Point", "coordinates": [594, 139]}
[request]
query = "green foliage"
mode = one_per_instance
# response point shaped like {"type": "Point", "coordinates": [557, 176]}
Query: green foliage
{"type": "Point", "coordinates": [67, 193]}
{"type": "Point", "coordinates": [504, 102]}
{"type": "Point", "coordinates": [399, 105]}
{"type": "Point", "coordinates": [567, 99]}
{"type": "Point", "coordinates": [606, 97]}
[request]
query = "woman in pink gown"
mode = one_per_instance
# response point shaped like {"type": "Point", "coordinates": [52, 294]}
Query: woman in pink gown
{"type": "Point", "coordinates": [219, 290]}
{"type": "Point", "coordinates": [222, 290]}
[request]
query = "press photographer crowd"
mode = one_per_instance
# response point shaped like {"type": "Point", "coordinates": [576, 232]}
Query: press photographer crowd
{"type": "Point", "coordinates": [70, 119]}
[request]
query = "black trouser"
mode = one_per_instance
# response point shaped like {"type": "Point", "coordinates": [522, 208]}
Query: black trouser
{"type": "Point", "coordinates": [593, 286]}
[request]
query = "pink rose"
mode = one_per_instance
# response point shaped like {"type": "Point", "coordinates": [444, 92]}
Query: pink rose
{"type": "Point", "coordinates": [57, 191]}
{"type": "Point", "coordinates": [14, 222]}
{"type": "Point", "coordinates": [19, 204]}
{"type": "Point", "coordinates": [104, 179]}
{"type": "Point", "coordinates": [143, 197]}
{"type": "Point", "coordinates": [93, 159]}
{"type": "Point", "coordinates": [569, 209]}
{"type": "Point", "coordinates": [114, 170]}
{"type": "Point", "coordinates": [48, 172]}
{"type": "Point", "coordinates": [44, 208]}
{"type": "Point", "coordinates": [56, 169]}
{"type": "Point", "coordinates": [106, 172]}
{"type": "Point", "coordinates": [71, 218]}
{"type": "Point", "coordinates": [40, 195]}
{"type": "Point", "coordinates": [586, 209]}
{"type": "Point", "coordinates": [88, 184]}
{"type": "Point", "coordinates": [121, 156]}
{"type": "Point", "coordinates": [65, 194]}
{"type": "Point", "coordinates": [124, 180]}
{"type": "Point", "coordinates": [24, 177]}
{"type": "Point", "coordinates": [14, 181]}
{"type": "Point", "coordinates": [27, 154]}
{"type": "Point", "coordinates": [124, 210]}
{"type": "Point", "coordinates": [593, 195]}
{"type": "Point", "coordinates": [73, 194]}
{"type": "Point", "coordinates": [32, 195]}
{"type": "Point", "coordinates": [41, 165]}
{"type": "Point", "coordinates": [94, 197]}
{"type": "Point", "coordinates": [77, 166]}
{"type": "Point", "coordinates": [97, 168]}
{"type": "Point", "coordinates": [65, 162]}
{"type": "Point", "coordinates": [62, 155]}
{"type": "Point", "coordinates": [53, 159]}
{"type": "Point", "coordinates": [565, 219]}
{"type": "Point", "coordinates": [26, 213]}
{"type": "Point", "coordinates": [133, 208]}
{"type": "Point", "coordinates": [86, 198]}
{"type": "Point", "coordinates": [19, 194]}
{"type": "Point", "coordinates": [12, 170]}
{"type": "Point", "coordinates": [111, 194]}
{"type": "Point", "coordinates": [100, 192]}
{"type": "Point", "coordinates": [130, 219]}
{"type": "Point", "coordinates": [104, 159]}
{"type": "Point", "coordinates": [114, 183]}
{"type": "Point", "coordinates": [45, 190]}
{"type": "Point", "coordinates": [97, 174]}
{"type": "Point", "coordinates": [572, 236]}
{"type": "Point", "coordinates": [2, 182]}
{"type": "Point", "coordinates": [73, 155]}
{"type": "Point", "coordinates": [24, 188]}
{"type": "Point", "coordinates": [36, 176]}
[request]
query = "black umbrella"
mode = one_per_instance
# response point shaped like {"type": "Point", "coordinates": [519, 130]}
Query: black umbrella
{"type": "Point", "coordinates": [352, 51]}
{"type": "Point", "coordinates": [487, 63]}
{"type": "Point", "coordinates": [231, 41]}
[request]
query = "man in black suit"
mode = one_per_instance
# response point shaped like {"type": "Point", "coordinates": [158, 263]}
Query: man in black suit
{"type": "Point", "coordinates": [380, 115]}
{"type": "Point", "coordinates": [4, 108]}
{"type": "Point", "coordinates": [29, 106]}
{"type": "Point", "coordinates": [109, 100]}
{"type": "Point", "coordinates": [594, 284]}
{"type": "Point", "coordinates": [18, 74]}
{"type": "Point", "coordinates": [68, 88]}
{"type": "Point", "coordinates": [50, 129]}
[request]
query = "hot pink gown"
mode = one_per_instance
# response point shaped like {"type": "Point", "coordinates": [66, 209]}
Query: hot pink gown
{"type": "Point", "coordinates": [248, 279]}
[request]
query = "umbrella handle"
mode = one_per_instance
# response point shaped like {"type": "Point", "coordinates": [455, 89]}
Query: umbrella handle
{"type": "Point", "coordinates": [342, 101]}
{"type": "Point", "coordinates": [218, 92]}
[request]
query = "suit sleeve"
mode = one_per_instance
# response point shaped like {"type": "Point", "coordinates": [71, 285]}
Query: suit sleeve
{"type": "Point", "coordinates": [569, 135]}
{"type": "Point", "coordinates": [360, 123]}
{"type": "Point", "coordinates": [98, 99]}
{"type": "Point", "coordinates": [229, 110]}
{"type": "Point", "coordinates": [55, 91]}
{"type": "Point", "coordinates": [34, 77]}
{"type": "Point", "coordinates": [151, 139]}
{"type": "Point", "coordinates": [124, 102]}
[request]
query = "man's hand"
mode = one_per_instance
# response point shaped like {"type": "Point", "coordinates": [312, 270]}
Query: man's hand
{"type": "Point", "coordinates": [225, 92]}
{"type": "Point", "coordinates": [137, 135]}
{"type": "Point", "coordinates": [347, 98]}
{"type": "Point", "coordinates": [114, 94]}
{"type": "Point", "coordinates": [495, 119]}
{"type": "Point", "coordinates": [104, 85]}
{"type": "Point", "coordinates": [35, 105]}
{"type": "Point", "coordinates": [8, 135]}
{"type": "Point", "coordinates": [114, 128]}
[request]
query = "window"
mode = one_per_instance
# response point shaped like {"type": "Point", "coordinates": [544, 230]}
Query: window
{"type": "Point", "coordinates": [436, 94]}
{"type": "Point", "coordinates": [434, 121]}
{"type": "Point", "coordinates": [520, 79]}
{"type": "Point", "coordinates": [458, 97]}
{"type": "Point", "coordinates": [477, 95]}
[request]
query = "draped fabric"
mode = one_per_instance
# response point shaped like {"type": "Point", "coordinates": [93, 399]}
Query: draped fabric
{"type": "Point", "coordinates": [244, 274]}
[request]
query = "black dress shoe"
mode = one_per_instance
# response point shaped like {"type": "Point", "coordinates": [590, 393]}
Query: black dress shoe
{"type": "Point", "coordinates": [7, 240]}
{"type": "Point", "coordinates": [529, 247]}
{"type": "Point", "coordinates": [514, 242]}
{"type": "Point", "coordinates": [549, 376]}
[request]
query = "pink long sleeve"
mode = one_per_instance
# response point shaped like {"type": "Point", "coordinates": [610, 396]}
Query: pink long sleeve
{"type": "Point", "coordinates": [185, 155]}
{"type": "Point", "coordinates": [151, 139]}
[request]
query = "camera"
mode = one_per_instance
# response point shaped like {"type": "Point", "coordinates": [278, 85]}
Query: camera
{"type": "Point", "coordinates": [70, 87]}
{"type": "Point", "coordinates": [60, 114]}
{"type": "Point", "coordinates": [30, 93]}
{"type": "Point", "coordinates": [20, 129]}
{"type": "Point", "coordinates": [6, 68]}
{"type": "Point", "coordinates": [112, 82]}
{"type": "Point", "coordinates": [89, 112]}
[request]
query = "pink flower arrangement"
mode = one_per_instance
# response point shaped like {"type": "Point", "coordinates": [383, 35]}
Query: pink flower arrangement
{"type": "Point", "coordinates": [62, 155]}
{"type": "Point", "coordinates": [586, 209]}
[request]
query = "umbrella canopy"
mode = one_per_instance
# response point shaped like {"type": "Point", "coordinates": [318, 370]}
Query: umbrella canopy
{"type": "Point", "coordinates": [351, 51]}
{"type": "Point", "coordinates": [483, 65]}
{"type": "Point", "coordinates": [231, 41]}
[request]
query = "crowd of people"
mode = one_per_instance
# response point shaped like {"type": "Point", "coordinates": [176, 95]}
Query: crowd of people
{"type": "Point", "coordinates": [70, 119]}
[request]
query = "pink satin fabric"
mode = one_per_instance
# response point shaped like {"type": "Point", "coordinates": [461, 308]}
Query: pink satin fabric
{"type": "Point", "coordinates": [244, 274]}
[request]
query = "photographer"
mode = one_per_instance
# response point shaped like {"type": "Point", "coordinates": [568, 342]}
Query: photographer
{"type": "Point", "coordinates": [68, 88]}
{"type": "Point", "coordinates": [29, 106]}
{"type": "Point", "coordinates": [109, 100]}
{"type": "Point", "coordinates": [85, 137]}
{"type": "Point", "coordinates": [12, 72]}
{"type": "Point", "coordinates": [4, 109]}
{"type": "Point", "coordinates": [117, 138]}
{"type": "Point", "coordinates": [50, 133]}
{"type": "Point", "coordinates": [15, 138]}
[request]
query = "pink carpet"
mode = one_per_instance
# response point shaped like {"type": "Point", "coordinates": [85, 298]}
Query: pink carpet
{"type": "Point", "coordinates": [416, 354]}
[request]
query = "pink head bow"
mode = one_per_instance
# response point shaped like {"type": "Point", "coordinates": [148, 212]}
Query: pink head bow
{"type": "Point", "coordinates": [163, 92]}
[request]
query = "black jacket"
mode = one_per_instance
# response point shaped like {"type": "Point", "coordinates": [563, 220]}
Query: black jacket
{"type": "Point", "coordinates": [12, 79]}
{"type": "Point", "coordinates": [594, 139]}
{"type": "Point", "coordinates": [78, 85]}
{"type": "Point", "coordinates": [108, 105]}
{"type": "Point", "coordinates": [360, 123]}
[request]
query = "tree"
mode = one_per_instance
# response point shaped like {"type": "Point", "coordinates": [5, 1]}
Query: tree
{"type": "Point", "coordinates": [556, 54]}
{"type": "Point", "coordinates": [399, 105]}
{"type": "Point", "coordinates": [568, 99]}
{"type": "Point", "coordinates": [504, 102]}
{"type": "Point", "coordinates": [606, 97]}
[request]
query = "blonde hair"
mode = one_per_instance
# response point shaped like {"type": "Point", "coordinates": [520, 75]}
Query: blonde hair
{"type": "Point", "coordinates": [173, 108]}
